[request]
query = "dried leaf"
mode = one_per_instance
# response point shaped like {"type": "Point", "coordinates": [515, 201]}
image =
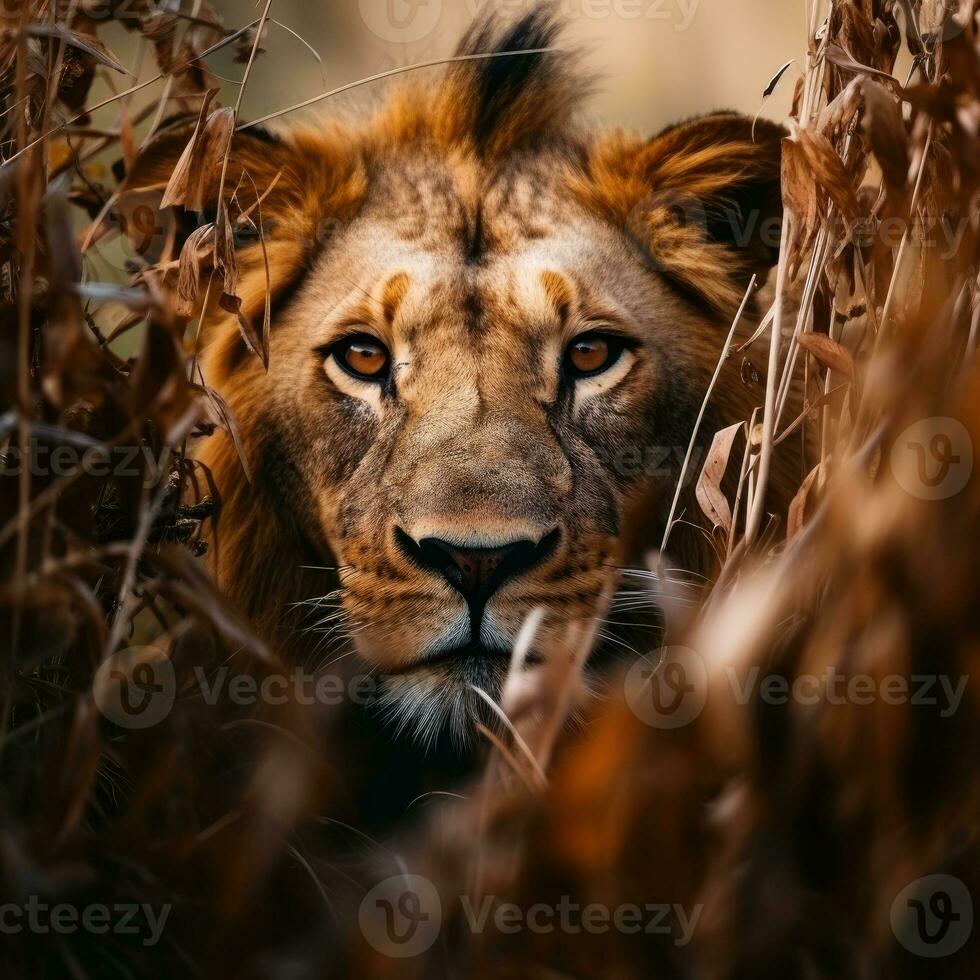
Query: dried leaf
{"type": "Point", "coordinates": [797, 508]}
{"type": "Point", "coordinates": [798, 189]}
{"type": "Point", "coordinates": [183, 177]}
{"type": "Point", "coordinates": [189, 274]}
{"type": "Point", "coordinates": [774, 81]}
{"type": "Point", "coordinates": [838, 56]}
{"type": "Point", "coordinates": [253, 341]}
{"type": "Point", "coordinates": [827, 168]}
{"type": "Point", "coordinates": [855, 31]}
{"type": "Point", "coordinates": [225, 417]}
{"type": "Point", "coordinates": [226, 263]}
{"type": "Point", "coordinates": [884, 129]}
{"type": "Point", "coordinates": [88, 43]}
{"type": "Point", "coordinates": [708, 490]}
{"type": "Point", "coordinates": [828, 352]}
{"type": "Point", "coordinates": [225, 260]}
{"type": "Point", "coordinates": [836, 116]}
{"type": "Point", "coordinates": [209, 153]}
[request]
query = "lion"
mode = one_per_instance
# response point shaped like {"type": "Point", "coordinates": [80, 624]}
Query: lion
{"type": "Point", "coordinates": [490, 330]}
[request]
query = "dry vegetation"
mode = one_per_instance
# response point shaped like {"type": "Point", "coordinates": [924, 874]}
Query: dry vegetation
{"type": "Point", "coordinates": [794, 827]}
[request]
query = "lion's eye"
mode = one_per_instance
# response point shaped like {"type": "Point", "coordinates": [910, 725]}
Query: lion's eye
{"type": "Point", "coordinates": [363, 356]}
{"type": "Point", "coordinates": [591, 354]}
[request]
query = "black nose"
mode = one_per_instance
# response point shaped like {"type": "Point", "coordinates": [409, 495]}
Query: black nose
{"type": "Point", "coordinates": [476, 573]}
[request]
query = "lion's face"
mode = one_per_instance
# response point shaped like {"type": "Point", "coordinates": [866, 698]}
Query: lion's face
{"type": "Point", "coordinates": [481, 384]}
{"type": "Point", "coordinates": [460, 384]}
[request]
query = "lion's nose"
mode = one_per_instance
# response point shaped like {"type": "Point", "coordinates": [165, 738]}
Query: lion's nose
{"type": "Point", "coordinates": [476, 573]}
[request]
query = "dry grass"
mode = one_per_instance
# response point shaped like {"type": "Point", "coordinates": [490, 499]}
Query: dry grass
{"type": "Point", "coordinates": [793, 828]}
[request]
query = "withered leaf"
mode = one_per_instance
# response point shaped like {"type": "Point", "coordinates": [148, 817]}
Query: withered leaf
{"type": "Point", "coordinates": [189, 274]}
{"type": "Point", "coordinates": [194, 590]}
{"type": "Point", "coordinates": [225, 417]}
{"type": "Point", "coordinates": [267, 310]}
{"type": "Point", "coordinates": [253, 340]}
{"type": "Point", "coordinates": [809, 411]}
{"type": "Point", "coordinates": [88, 43]}
{"type": "Point", "coordinates": [828, 352]}
{"type": "Point", "coordinates": [836, 116]}
{"type": "Point", "coordinates": [855, 31]}
{"type": "Point", "coordinates": [799, 192]}
{"type": "Point", "coordinates": [884, 129]}
{"type": "Point", "coordinates": [226, 263]}
{"type": "Point", "coordinates": [774, 81]}
{"type": "Point", "coordinates": [826, 166]}
{"type": "Point", "coordinates": [185, 178]}
{"type": "Point", "coordinates": [797, 509]}
{"type": "Point", "coordinates": [708, 490]}
{"type": "Point", "coordinates": [212, 146]}
{"type": "Point", "coordinates": [836, 54]}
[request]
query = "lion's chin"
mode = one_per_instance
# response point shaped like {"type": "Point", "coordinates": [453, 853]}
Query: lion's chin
{"type": "Point", "coordinates": [445, 696]}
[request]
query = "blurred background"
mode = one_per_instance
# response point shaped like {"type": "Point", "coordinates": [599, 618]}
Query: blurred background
{"type": "Point", "coordinates": [659, 60]}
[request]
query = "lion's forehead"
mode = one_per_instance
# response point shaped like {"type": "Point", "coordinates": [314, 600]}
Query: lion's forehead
{"type": "Point", "coordinates": [454, 205]}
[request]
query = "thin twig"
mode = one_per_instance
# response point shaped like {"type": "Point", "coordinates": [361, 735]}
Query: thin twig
{"type": "Point", "coordinates": [388, 74]}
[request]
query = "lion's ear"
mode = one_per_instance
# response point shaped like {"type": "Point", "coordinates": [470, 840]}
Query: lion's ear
{"type": "Point", "coordinates": [700, 201]}
{"type": "Point", "coordinates": [183, 168]}
{"type": "Point", "coordinates": [281, 197]}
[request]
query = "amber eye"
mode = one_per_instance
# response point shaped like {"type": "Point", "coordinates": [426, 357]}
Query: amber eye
{"type": "Point", "coordinates": [363, 356]}
{"type": "Point", "coordinates": [591, 354]}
